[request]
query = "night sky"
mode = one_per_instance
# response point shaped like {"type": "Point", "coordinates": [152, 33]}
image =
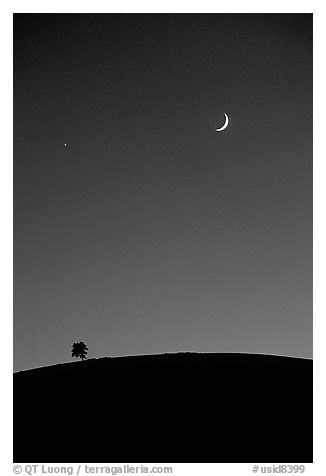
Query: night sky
{"type": "Point", "coordinates": [149, 231]}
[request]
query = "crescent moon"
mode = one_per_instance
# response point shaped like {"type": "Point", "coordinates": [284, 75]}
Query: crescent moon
{"type": "Point", "coordinates": [226, 123]}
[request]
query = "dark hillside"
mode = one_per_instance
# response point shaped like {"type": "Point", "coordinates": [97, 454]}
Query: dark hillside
{"type": "Point", "coordinates": [183, 407]}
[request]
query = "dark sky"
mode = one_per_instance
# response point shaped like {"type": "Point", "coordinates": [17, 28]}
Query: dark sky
{"type": "Point", "coordinates": [150, 232]}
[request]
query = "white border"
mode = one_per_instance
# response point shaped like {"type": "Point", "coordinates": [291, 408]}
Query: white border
{"type": "Point", "coordinates": [161, 6]}
{"type": "Point", "coordinates": [139, 6]}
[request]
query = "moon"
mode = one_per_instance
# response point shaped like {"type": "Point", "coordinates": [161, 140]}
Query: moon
{"type": "Point", "coordinates": [226, 123]}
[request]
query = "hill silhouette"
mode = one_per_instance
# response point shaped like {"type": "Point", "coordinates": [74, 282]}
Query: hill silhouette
{"type": "Point", "coordinates": [184, 407]}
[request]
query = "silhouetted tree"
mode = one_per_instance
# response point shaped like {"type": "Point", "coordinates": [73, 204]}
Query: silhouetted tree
{"type": "Point", "coordinates": [79, 350]}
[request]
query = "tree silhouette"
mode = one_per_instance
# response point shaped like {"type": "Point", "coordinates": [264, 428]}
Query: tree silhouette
{"type": "Point", "coordinates": [79, 350]}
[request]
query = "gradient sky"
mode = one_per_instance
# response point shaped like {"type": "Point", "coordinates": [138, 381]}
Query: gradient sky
{"type": "Point", "coordinates": [150, 232]}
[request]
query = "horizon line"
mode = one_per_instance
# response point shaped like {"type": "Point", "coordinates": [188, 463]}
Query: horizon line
{"type": "Point", "coordinates": [162, 353]}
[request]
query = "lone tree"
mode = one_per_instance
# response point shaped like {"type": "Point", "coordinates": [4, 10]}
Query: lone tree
{"type": "Point", "coordinates": [79, 350]}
